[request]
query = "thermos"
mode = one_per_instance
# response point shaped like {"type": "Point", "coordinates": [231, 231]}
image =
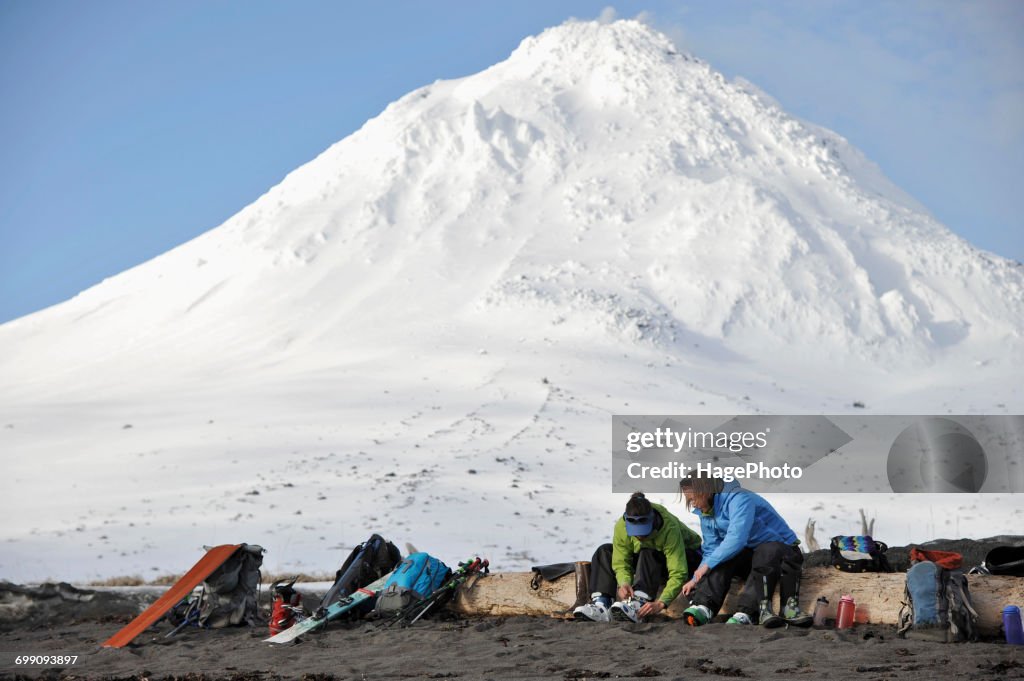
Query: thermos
{"type": "Point", "coordinates": [1012, 626]}
{"type": "Point", "coordinates": [820, 612]}
{"type": "Point", "coordinates": [844, 613]}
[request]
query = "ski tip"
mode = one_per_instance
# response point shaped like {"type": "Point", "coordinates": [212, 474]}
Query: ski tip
{"type": "Point", "coordinates": [410, 549]}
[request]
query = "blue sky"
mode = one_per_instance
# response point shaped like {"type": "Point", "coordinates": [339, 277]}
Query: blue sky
{"type": "Point", "coordinates": [127, 128]}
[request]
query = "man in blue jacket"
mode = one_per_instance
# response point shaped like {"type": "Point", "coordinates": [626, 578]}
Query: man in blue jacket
{"type": "Point", "coordinates": [743, 537]}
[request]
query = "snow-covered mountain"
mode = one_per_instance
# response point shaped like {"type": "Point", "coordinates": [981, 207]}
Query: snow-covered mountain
{"type": "Point", "coordinates": [424, 330]}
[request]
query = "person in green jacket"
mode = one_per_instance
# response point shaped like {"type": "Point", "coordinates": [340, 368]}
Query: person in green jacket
{"type": "Point", "coordinates": [650, 548]}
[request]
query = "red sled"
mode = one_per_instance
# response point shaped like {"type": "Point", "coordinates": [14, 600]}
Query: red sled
{"type": "Point", "coordinates": [213, 559]}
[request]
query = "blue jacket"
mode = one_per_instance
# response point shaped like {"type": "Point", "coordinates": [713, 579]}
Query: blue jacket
{"type": "Point", "coordinates": [740, 519]}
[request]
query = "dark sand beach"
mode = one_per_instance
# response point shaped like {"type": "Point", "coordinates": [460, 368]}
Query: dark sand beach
{"type": "Point", "coordinates": [508, 648]}
{"type": "Point", "coordinates": [64, 620]}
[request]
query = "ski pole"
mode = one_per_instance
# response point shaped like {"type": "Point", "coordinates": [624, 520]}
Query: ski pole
{"type": "Point", "coordinates": [191, 617]}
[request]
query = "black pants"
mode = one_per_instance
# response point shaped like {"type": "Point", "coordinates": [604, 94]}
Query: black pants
{"type": "Point", "coordinates": [778, 563]}
{"type": "Point", "coordinates": [650, 571]}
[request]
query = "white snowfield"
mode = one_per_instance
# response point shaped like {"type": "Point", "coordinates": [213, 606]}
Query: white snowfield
{"type": "Point", "coordinates": [424, 331]}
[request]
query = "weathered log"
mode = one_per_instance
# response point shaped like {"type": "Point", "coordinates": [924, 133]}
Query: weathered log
{"type": "Point", "coordinates": [878, 596]}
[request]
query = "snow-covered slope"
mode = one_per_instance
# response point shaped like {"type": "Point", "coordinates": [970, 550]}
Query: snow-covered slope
{"type": "Point", "coordinates": [423, 330]}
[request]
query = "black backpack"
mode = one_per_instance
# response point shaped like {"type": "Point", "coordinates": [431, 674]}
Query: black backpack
{"type": "Point", "coordinates": [1003, 560]}
{"type": "Point", "coordinates": [368, 562]}
{"type": "Point", "coordinates": [859, 554]}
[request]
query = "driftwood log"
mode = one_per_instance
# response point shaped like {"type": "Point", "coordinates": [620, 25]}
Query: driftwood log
{"type": "Point", "coordinates": [878, 596]}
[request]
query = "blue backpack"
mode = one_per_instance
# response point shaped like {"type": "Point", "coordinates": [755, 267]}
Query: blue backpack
{"type": "Point", "coordinates": [937, 605]}
{"type": "Point", "coordinates": [413, 579]}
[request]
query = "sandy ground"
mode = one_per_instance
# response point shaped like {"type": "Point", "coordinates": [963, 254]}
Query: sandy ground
{"type": "Point", "coordinates": [509, 648]}
{"type": "Point", "coordinates": [63, 620]}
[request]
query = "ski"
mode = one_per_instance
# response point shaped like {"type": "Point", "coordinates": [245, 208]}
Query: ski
{"type": "Point", "coordinates": [324, 615]}
{"type": "Point", "coordinates": [214, 558]}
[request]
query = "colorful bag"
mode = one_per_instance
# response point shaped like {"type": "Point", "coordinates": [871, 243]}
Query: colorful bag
{"type": "Point", "coordinates": [859, 554]}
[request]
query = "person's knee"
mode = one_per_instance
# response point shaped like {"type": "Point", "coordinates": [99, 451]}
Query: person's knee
{"type": "Point", "coordinates": [793, 561]}
{"type": "Point", "coordinates": [770, 552]}
{"type": "Point", "coordinates": [604, 551]}
{"type": "Point", "coordinates": [767, 561]}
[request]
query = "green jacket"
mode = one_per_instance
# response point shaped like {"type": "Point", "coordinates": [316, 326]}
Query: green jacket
{"type": "Point", "coordinates": [672, 539]}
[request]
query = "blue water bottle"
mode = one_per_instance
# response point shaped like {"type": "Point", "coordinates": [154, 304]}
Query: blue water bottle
{"type": "Point", "coordinates": [1012, 626]}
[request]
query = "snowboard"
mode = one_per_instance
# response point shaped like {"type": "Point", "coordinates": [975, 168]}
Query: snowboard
{"type": "Point", "coordinates": [333, 610]}
{"type": "Point", "coordinates": [214, 558]}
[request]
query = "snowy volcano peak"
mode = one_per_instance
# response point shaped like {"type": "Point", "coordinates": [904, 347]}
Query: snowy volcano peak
{"type": "Point", "coordinates": [597, 186]}
{"type": "Point", "coordinates": [626, 52]}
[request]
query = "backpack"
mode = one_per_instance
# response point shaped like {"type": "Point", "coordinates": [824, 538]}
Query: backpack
{"type": "Point", "coordinates": [415, 578]}
{"type": "Point", "coordinates": [368, 562]}
{"type": "Point", "coordinates": [231, 593]}
{"type": "Point", "coordinates": [937, 605]}
{"type": "Point", "coordinates": [859, 554]}
{"type": "Point", "coordinates": [1003, 560]}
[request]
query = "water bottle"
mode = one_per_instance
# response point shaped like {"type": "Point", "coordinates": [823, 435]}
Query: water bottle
{"type": "Point", "coordinates": [1012, 627]}
{"type": "Point", "coordinates": [844, 613]}
{"type": "Point", "coordinates": [820, 612]}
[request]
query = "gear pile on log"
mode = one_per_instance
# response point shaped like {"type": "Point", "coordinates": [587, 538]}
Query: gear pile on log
{"type": "Point", "coordinates": [878, 596]}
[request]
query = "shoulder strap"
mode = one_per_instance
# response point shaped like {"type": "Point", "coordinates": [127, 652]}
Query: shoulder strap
{"type": "Point", "coordinates": [905, 620]}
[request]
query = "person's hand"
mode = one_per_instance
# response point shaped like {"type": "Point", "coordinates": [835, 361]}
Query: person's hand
{"type": "Point", "coordinates": [651, 608]}
{"type": "Point", "coordinates": [698, 574]}
{"type": "Point", "coordinates": [625, 591]}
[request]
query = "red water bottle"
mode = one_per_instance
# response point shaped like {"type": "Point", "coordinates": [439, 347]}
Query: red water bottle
{"type": "Point", "coordinates": [844, 613]}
